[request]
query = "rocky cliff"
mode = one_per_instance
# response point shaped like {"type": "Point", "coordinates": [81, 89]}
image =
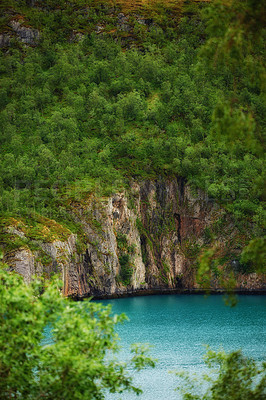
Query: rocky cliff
{"type": "Point", "coordinates": [143, 240]}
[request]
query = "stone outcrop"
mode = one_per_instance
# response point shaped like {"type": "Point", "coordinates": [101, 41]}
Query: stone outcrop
{"type": "Point", "coordinates": [144, 240]}
{"type": "Point", "coordinates": [23, 262]}
{"type": "Point", "coordinates": [25, 34]}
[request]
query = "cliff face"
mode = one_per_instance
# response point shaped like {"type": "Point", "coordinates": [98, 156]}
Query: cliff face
{"type": "Point", "coordinates": [147, 239]}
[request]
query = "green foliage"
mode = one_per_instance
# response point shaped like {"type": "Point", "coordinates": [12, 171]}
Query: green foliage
{"type": "Point", "coordinates": [234, 377]}
{"type": "Point", "coordinates": [126, 271]}
{"type": "Point", "coordinates": [121, 240]}
{"type": "Point", "coordinates": [84, 116]}
{"type": "Point", "coordinates": [81, 362]}
{"type": "Point", "coordinates": [122, 244]}
{"type": "Point", "coordinates": [191, 249]}
{"type": "Point", "coordinates": [254, 254]}
{"type": "Point", "coordinates": [125, 254]}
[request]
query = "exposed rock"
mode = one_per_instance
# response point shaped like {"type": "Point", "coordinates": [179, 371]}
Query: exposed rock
{"type": "Point", "coordinates": [144, 21]}
{"type": "Point", "coordinates": [123, 23]}
{"type": "Point", "coordinates": [249, 282]}
{"type": "Point", "coordinates": [99, 28]}
{"type": "Point", "coordinates": [155, 231]}
{"type": "Point", "coordinates": [23, 262]}
{"type": "Point", "coordinates": [15, 231]}
{"type": "Point", "coordinates": [26, 35]}
{"type": "Point", "coordinates": [76, 36]}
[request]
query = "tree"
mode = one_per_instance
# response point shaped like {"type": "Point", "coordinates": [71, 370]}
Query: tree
{"type": "Point", "coordinates": [81, 362]}
{"type": "Point", "coordinates": [234, 48]}
{"type": "Point", "coordinates": [238, 378]}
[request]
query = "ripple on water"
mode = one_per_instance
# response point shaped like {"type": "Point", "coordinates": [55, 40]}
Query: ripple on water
{"type": "Point", "coordinates": [178, 327]}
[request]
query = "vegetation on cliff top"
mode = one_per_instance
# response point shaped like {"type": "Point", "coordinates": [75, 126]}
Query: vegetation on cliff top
{"type": "Point", "coordinates": [169, 88]}
{"type": "Point", "coordinates": [85, 111]}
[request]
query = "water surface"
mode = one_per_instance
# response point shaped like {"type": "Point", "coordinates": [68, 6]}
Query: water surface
{"type": "Point", "coordinates": [178, 326]}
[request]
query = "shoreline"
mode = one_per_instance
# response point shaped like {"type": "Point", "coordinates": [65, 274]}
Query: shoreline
{"type": "Point", "coordinates": [160, 291]}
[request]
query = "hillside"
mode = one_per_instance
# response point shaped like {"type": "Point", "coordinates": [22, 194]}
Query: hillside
{"type": "Point", "coordinates": [100, 96]}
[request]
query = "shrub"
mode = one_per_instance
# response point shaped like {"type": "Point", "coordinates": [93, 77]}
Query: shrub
{"type": "Point", "coordinates": [75, 366]}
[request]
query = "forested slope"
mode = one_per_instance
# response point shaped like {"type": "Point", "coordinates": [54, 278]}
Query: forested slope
{"type": "Point", "coordinates": [97, 93]}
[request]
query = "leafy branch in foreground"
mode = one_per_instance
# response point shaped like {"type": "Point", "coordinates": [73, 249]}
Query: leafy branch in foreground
{"type": "Point", "coordinates": [235, 377]}
{"type": "Point", "coordinates": [80, 364]}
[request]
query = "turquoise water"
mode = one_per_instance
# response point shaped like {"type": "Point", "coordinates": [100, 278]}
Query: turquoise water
{"type": "Point", "coordinates": [178, 326]}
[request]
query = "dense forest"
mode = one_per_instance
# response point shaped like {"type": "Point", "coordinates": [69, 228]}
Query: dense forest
{"type": "Point", "coordinates": [95, 94]}
{"type": "Point", "coordinates": [109, 92]}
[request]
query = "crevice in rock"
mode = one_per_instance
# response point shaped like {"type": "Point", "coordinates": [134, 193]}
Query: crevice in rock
{"type": "Point", "coordinates": [87, 263]}
{"type": "Point", "coordinates": [178, 223]}
{"type": "Point", "coordinates": [143, 246]}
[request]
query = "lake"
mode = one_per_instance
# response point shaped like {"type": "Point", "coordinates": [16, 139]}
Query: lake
{"type": "Point", "coordinates": [178, 327]}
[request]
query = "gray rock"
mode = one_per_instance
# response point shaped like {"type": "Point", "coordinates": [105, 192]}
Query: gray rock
{"type": "Point", "coordinates": [122, 23]}
{"type": "Point", "coordinates": [160, 227]}
{"type": "Point", "coordinates": [26, 35]}
{"type": "Point", "coordinates": [76, 37]}
{"type": "Point", "coordinates": [23, 262]}
{"type": "Point", "coordinates": [15, 231]}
